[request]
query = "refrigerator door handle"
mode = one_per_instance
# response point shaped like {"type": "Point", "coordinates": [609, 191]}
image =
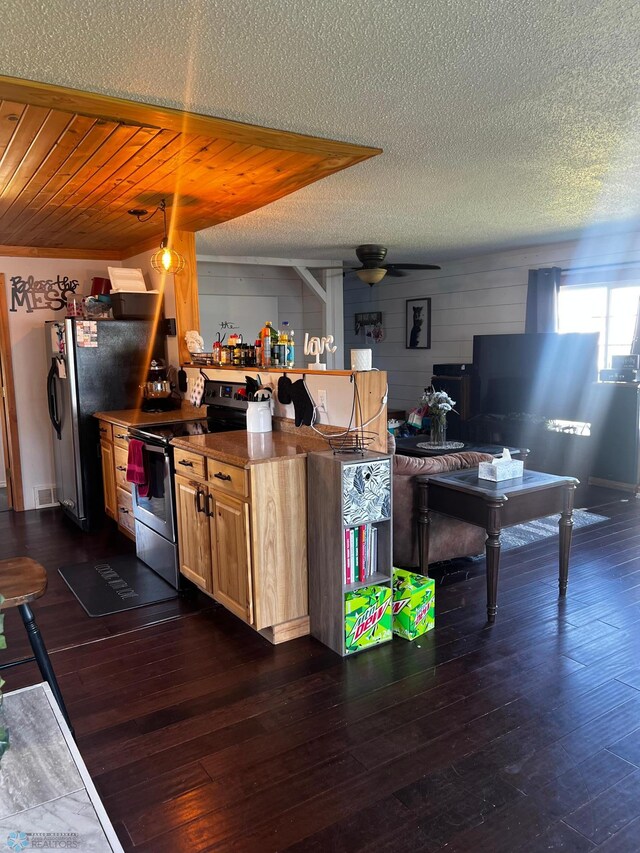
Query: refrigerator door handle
{"type": "Point", "coordinates": [52, 399]}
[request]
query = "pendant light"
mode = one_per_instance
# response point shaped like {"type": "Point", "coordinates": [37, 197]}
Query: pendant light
{"type": "Point", "coordinates": [166, 259]}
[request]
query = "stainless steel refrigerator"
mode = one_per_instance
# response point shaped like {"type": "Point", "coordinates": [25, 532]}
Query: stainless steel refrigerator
{"type": "Point", "coordinates": [92, 366]}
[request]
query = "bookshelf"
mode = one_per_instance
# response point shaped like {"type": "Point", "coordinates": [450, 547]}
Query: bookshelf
{"type": "Point", "coordinates": [348, 493]}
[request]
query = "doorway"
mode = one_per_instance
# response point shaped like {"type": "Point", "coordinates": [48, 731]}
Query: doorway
{"type": "Point", "coordinates": [11, 493]}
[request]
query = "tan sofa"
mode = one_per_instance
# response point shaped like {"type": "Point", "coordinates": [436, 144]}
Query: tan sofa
{"type": "Point", "coordinates": [448, 537]}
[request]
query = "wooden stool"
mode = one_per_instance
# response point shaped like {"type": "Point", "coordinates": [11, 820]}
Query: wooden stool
{"type": "Point", "coordinates": [22, 580]}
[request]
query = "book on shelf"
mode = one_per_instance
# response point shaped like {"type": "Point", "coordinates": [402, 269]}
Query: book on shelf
{"type": "Point", "coordinates": [360, 553]}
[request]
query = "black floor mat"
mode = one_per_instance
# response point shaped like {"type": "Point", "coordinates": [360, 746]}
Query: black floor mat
{"type": "Point", "coordinates": [120, 583]}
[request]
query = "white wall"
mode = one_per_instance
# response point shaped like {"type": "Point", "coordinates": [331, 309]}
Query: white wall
{"type": "Point", "coordinates": [483, 295]}
{"type": "Point", "coordinates": [294, 301]}
{"type": "Point", "coordinates": [29, 361]}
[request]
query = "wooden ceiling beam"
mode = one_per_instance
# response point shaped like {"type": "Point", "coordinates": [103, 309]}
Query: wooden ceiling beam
{"type": "Point", "coordinates": [152, 115]}
{"type": "Point", "coordinates": [73, 163]}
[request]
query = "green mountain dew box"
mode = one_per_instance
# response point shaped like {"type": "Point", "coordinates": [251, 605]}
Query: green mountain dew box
{"type": "Point", "coordinates": [414, 604]}
{"type": "Point", "coordinates": [367, 618]}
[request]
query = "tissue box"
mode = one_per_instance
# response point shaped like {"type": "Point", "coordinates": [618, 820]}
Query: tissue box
{"type": "Point", "coordinates": [414, 604]}
{"type": "Point", "coordinates": [501, 469]}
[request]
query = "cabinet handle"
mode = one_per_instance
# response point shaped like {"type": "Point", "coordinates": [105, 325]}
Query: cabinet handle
{"type": "Point", "coordinates": [120, 435]}
{"type": "Point", "coordinates": [209, 506]}
{"type": "Point", "coordinates": [199, 494]}
{"type": "Point", "coordinates": [124, 510]}
{"type": "Point", "coordinates": [186, 463]}
{"type": "Point", "coordinates": [120, 468]}
{"type": "Point", "coordinates": [221, 476]}
{"type": "Point", "coordinates": [103, 429]}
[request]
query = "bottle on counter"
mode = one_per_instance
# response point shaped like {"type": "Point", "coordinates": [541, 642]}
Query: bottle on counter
{"type": "Point", "coordinates": [217, 347]}
{"type": "Point", "coordinates": [276, 360]}
{"type": "Point", "coordinates": [266, 344]}
{"type": "Point", "coordinates": [291, 350]}
{"type": "Point", "coordinates": [257, 355]}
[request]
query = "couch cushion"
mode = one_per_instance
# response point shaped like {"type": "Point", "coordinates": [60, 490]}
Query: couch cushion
{"type": "Point", "coordinates": [410, 466]}
{"type": "Point", "coordinates": [448, 537]}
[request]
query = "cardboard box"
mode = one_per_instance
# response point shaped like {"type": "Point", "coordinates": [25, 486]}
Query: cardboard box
{"type": "Point", "coordinates": [414, 604]}
{"type": "Point", "coordinates": [367, 618]}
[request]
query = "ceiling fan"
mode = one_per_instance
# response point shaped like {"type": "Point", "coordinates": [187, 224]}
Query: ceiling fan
{"type": "Point", "coordinates": [374, 270]}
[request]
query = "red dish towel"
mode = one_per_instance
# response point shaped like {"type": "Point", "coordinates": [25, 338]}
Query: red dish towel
{"type": "Point", "coordinates": [136, 468]}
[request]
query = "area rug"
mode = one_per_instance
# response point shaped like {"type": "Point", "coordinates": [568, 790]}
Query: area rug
{"type": "Point", "coordinates": [110, 586]}
{"type": "Point", "coordinates": [543, 528]}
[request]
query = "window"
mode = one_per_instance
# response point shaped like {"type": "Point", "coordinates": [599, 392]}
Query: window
{"type": "Point", "coordinates": [606, 308]}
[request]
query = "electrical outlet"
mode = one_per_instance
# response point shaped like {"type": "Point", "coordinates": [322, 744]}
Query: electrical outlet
{"type": "Point", "coordinates": [322, 401]}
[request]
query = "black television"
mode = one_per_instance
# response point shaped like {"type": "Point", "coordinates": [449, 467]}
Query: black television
{"type": "Point", "coordinates": [546, 376]}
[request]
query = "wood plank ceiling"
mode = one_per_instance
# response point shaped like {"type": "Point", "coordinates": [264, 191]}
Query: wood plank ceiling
{"type": "Point", "coordinates": [73, 163]}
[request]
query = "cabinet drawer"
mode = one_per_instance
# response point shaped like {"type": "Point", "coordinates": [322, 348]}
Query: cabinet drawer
{"type": "Point", "coordinates": [106, 432]}
{"type": "Point", "coordinates": [189, 464]}
{"type": "Point", "coordinates": [229, 478]}
{"type": "Point", "coordinates": [120, 436]}
{"type": "Point", "coordinates": [125, 510]}
{"type": "Point", "coordinates": [120, 455]}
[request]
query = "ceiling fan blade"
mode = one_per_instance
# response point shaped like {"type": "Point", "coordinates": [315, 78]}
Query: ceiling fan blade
{"type": "Point", "coordinates": [416, 266]}
{"type": "Point", "coordinates": [394, 271]}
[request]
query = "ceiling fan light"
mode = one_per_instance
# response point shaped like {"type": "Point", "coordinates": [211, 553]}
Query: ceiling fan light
{"type": "Point", "coordinates": [371, 275]}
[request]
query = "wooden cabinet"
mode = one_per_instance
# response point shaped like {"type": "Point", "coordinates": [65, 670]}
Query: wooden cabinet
{"type": "Point", "coordinates": [108, 479]}
{"type": "Point", "coordinates": [125, 510]}
{"type": "Point", "coordinates": [114, 443]}
{"type": "Point", "coordinates": [242, 539]}
{"type": "Point", "coordinates": [232, 548]}
{"type": "Point", "coordinates": [193, 532]}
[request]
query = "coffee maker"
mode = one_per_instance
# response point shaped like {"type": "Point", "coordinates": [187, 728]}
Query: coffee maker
{"type": "Point", "coordinates": [159, 394]}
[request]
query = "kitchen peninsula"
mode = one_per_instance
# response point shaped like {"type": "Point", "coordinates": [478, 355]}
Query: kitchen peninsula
{"type": "Point", "coordinates": [241, 503]}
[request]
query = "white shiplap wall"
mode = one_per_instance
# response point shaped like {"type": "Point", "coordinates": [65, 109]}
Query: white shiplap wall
{"type": "Point", "coordinates": [244, 281]}
{"type": "Point", "coordinates": [484, 295]}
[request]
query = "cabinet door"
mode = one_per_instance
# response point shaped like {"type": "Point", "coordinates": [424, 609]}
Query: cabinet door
{"type": "Point", "coordinates": [108, 479]}
{"type": "Point", "coordinates": [232, 563]}
{"type": "Point", "coordinates": [194, 542]}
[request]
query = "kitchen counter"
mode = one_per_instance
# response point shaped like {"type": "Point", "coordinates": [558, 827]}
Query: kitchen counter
{"type": "Point", "coordinates": [134, 417]}
{"type": "Point", "coordinates": [242, 448]}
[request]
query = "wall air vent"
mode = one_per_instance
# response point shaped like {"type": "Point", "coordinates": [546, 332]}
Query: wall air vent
{"type": "Point", "coordinates": [45, 496]}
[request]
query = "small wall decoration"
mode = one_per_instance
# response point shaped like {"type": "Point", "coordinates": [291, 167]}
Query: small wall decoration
{"type": "Point", "coordinates": [48, 294]}
{"type": "Point", "coordinates": [370, 325]}
{"type": "Point", "coordinates": [370, 318]}
{"type": "Point", "coordinates": [418, 320]}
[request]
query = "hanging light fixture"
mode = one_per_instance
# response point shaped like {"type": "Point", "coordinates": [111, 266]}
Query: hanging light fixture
{"type": "Point", "coordinates": [166, 259]}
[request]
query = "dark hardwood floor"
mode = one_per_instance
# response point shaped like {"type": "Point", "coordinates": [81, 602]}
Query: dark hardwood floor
{"type": "Point", "coordinates": [199, 735]}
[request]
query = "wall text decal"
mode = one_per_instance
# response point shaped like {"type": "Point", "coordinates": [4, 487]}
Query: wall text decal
{"type": "Point", "coordinates": [49, 294]}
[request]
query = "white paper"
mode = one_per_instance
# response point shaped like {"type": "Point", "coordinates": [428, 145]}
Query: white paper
{"type": "Point", "coordinates": [126, 280]}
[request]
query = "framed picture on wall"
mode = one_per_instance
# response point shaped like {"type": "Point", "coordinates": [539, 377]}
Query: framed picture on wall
{"type": "Point", "coordinates": [418, 322]}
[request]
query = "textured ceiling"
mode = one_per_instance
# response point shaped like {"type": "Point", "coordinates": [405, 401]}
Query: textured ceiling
{"type": "Point", "coordinates": [501, 123]}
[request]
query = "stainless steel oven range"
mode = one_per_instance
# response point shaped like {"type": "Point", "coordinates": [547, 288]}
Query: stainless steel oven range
{"type": "Point", "coordinates": [155, 514]}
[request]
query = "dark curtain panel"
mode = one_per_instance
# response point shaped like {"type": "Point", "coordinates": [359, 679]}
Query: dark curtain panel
{"type": "Point", "coordinates": [542, 300]}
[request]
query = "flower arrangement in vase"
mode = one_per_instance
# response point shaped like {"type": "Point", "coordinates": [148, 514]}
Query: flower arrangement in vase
{"type": "Point", "coordinates": [438, 405]}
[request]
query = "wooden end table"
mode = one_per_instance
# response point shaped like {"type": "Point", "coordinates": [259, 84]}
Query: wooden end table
{"type": "Point", "coordinates": [461, 495]}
